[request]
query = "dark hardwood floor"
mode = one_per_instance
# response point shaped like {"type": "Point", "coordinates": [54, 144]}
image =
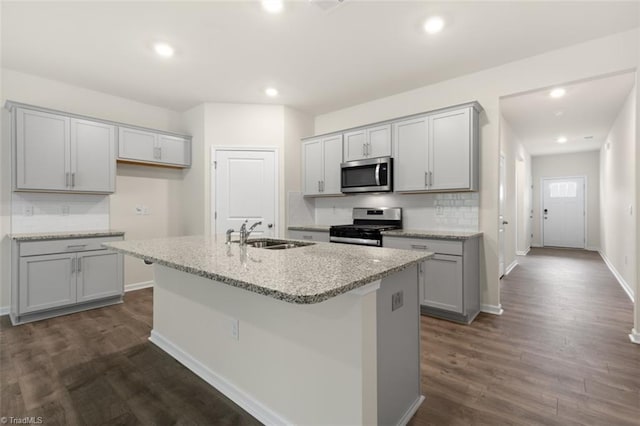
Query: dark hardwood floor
{"type": "Point", "coordinates": [559, 355]}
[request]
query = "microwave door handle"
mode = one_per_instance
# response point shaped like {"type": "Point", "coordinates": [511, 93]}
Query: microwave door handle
{"type": "Point", "coordinates": [377, 174]}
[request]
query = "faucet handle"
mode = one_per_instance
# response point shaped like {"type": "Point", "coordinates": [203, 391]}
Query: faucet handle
{"type": "Point", "coordinates": [229, 231]}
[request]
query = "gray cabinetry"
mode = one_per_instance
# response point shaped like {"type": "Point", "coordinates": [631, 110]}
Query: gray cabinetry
{"type": "Point", "coordinates": [321, 236]}
{"type": "Point", "coordinates": [437, 152]}
{"type": "Point", "coordinates": [56, 277]}
{"type": "Point", "coordinates": [62, 154]}
{"type": "Point", "coordinates": [370, 142]}
{"type": "Point", "coordinates": [450, 280]}
{"type": "Point", "coordinates": [321, 159]}
{"type": "Point", "coordinates": [141, 146]}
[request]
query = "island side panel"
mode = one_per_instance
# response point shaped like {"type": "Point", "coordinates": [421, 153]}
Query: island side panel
{"type": "Point", "coordinates": [399, 393]}
{"type": "Point", "coordinates": [295, 364]}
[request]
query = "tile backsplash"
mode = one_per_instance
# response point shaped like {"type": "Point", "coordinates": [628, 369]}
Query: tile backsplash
{"type": "Point", "coordinates": [450, 212]}
{"type": "Point", "coordinates": [41, 212]}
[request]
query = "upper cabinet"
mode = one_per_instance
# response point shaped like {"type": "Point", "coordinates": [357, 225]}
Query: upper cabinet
{"type": "Point", "coordinates": [321, 160]}
{"type": "Point", "coordinates": [143, 146]}
{"type": "Point", "coordinates": [370, 142]}
{"type": "Point", "coordinates": [437, 152]}
{"type": "Point", "coordinates": [63, 154]}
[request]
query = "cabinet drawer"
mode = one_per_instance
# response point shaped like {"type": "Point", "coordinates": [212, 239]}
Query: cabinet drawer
{"type": "Point", "coordinates": [436, 246]}
{"type": "Point", "coordinates": [33, 248]}
{"type": "Point", "coordinates": [310, 235]}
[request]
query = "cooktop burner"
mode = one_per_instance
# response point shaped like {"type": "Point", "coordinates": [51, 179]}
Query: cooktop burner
{"type": "Point", "coordinates": [368, 223]}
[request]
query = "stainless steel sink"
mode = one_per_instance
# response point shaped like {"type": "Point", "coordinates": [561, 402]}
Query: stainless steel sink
{"type": "Point", "coordinates": [276, 244]}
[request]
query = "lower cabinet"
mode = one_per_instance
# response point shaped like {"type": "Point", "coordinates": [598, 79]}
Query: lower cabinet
{"type": "Point", "coordinates": [56, 277]}
{"type": "Point", "coordinates": [450, 280]}
{"type": "Point", "coordinates": [321, 236]}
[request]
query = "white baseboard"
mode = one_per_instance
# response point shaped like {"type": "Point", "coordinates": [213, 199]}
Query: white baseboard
{"type": "Point", "coordinates": [625, 286]}
{"type": "Point", "coordinates": [523, 252]}
{"type": "Point", "coordinates": [491, 309]}
{"type": "Point", "coordinates": [411, 411]}
{"type": "Point", "coordinates": [635, 337]}
{"type": "Point", "coordinates": [247, 402]}
{"type": "Point", "coordinates": [4, 310]}
{"type": "Point", "coordinates": [536, 245]}
{"type": "Point", "coordinates": [138, 286]}
{"type": "Point", "coordinates": [592, 248]}
{"type": "Point", "coordinates": [510, 267]}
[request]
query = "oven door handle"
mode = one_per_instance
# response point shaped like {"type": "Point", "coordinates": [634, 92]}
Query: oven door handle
{"type": "Point", "coordinates": [378, 174]}
{"type": "Point", "coordinates": [361, 241]}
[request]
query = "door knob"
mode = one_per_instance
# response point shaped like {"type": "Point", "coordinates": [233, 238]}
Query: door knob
{"type": "Point", "coordinates": [270, 225]}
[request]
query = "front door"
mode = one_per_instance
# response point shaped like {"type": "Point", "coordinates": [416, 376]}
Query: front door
{"type": "Point", "coordinates": [563, 212]}
{"type": "Point", "coordinates": [245, 185]}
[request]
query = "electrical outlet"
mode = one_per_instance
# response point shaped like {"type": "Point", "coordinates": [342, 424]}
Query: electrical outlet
{"type": "Point", "coordinates": [145, 210]}
{"type": "Point", "coordinates": [397, 300]}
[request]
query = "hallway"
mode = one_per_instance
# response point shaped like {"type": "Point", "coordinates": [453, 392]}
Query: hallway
{"type": "Point", "coordinates": [559, 354]}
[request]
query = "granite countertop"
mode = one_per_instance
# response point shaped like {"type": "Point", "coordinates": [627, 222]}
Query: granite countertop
{"type": "Point", "coordinates": [321, 228]}
{"type": "Point", "coordinates": [436, 235]}
{"type": "Point", "coordinates": [39, 236]}
{"type": "Point", "coordinates": [303, 275]}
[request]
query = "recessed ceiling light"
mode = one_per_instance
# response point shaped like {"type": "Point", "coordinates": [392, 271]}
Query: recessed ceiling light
{"type": "Point", "coordinates": [434, 25]}
{"type": "Point", "coordinates": [271, 92]}
{"type": "Point", "coordinates": [272, 6]}
{"type": "Point", "coordinates": [557, 93]}
{"type": "Point", "coordinates": [561, 139]}
{"type": "Point", "coordinates": [163, 49]}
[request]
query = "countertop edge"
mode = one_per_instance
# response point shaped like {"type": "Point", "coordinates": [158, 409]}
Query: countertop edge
{"type": "Point", "coordinates": [431, 236]}
{"type": "Point", "coordinates": [311, 228]}
{"type": "Point", "coordinates": [285, 297]}
{"type": "Point", "coordinates": [64, 235]}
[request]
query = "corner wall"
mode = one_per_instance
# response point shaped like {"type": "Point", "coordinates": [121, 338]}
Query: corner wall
{"type": "Point", "coordinates": [618, 191]}
{"type": "Point", "coordinates": [598, 57]}
{"type": "Point", "coordinates": [565, 165]}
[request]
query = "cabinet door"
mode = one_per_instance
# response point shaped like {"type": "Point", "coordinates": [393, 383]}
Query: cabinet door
{"type": "Point", "coordinates": [450, 144]}
{"type": "Point", "coordinates": [93, 156]}
{"type": "Point", "coordinates": [354, 145]}
{"type": "Point", "coordinates": [321, 236]}
{"type": "Point", "coordinates": [174, 150]}
{"type": "Point", "coordinates": [99, 275]}
{"type": "Point", "coordinates": [42, 151]}
{"type": "Point", "coordinates": [332, 153]}
{"type": "Point", "coordinates": [46, 282]}
{"type": "Point", "coordinates": [379, 141]}
{"type": "Point", "coordinates": [410, 154]}
{"type": "Point", "coordinates": [137, 145]}
{"type": "Point", "coordinates": [443, 282]}
{"type": "Point", "coordinates": [312, 166]}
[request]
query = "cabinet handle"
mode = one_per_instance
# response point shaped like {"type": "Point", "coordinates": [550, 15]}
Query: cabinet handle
{"type": "Point", "coordinates": [419, 247]}
{"type": "Point", "coordinates": [318, 186]}
{"type": "Point", "coordinates": [426, 178]}
{"type": "Point", "coordinates": [79, 265]}
{"type": "Point", "coordinates": [430, 179]}
{"type": "Point", "coordinates": [73, 179]}
{"type": "Point", "coordinates": [322, 185]}
{"type": "Point", "coordinates": [72, 246]}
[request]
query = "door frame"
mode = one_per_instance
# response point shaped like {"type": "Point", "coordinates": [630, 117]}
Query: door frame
{"type": "Point", "coordinates": [212, 181]}
{"type": "Point", "coordinates": [586, 213]}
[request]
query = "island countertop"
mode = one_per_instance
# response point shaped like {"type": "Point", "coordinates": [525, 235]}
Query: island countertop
{"type": "Point", "coordinates": [303, 275]}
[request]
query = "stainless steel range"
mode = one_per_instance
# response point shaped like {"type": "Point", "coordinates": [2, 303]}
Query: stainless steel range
{"type": "Point", "coordinates": [368, 223]}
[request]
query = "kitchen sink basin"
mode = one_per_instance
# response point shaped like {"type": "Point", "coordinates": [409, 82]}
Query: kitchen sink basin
{"type": "Point", "coordinates": [276, 244]}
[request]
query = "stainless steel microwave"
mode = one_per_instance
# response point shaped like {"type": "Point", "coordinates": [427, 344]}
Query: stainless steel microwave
{"type": "Point", "coordinates": [371, 175]}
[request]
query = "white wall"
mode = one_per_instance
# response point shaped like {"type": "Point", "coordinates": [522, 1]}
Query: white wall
{"type": "Point", "coordinates": [617, 200]}
{"type": "Point", "coordinates": [586, 60]}
{"type": "Point", "coordinates": [157, 188]}
{"type": "Point", "coordinates": [241, 125]}
{"type": "Point", "coordinates": [565, 165]}
{"type": "Point", "coordinates": [517, 193]}
{"type": "Point", "coordinates": [635, 334]}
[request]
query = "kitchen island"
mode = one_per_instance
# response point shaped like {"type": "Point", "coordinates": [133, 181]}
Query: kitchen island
{"type": "Point", "coordinates": [317, 334]}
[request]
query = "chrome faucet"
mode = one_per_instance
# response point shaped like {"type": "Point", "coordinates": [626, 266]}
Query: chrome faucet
{"type": "Point", "coordinates": [229, 231]}
{"type": "Point", "coordinates": [244, 233]}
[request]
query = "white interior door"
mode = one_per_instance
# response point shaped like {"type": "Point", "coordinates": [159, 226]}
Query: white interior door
{"type": "Point", "coordinates": [501, 220]}
{"type": "Point", "coordinates": [245, 185]}
{"type": "Point", "coordinates": [563, 212]}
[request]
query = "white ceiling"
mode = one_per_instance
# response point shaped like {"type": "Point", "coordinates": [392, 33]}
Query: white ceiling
{"type": "Point", "coordinates": [319, 60]}
{"type": "Point", "coordinates": [587, 109]}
